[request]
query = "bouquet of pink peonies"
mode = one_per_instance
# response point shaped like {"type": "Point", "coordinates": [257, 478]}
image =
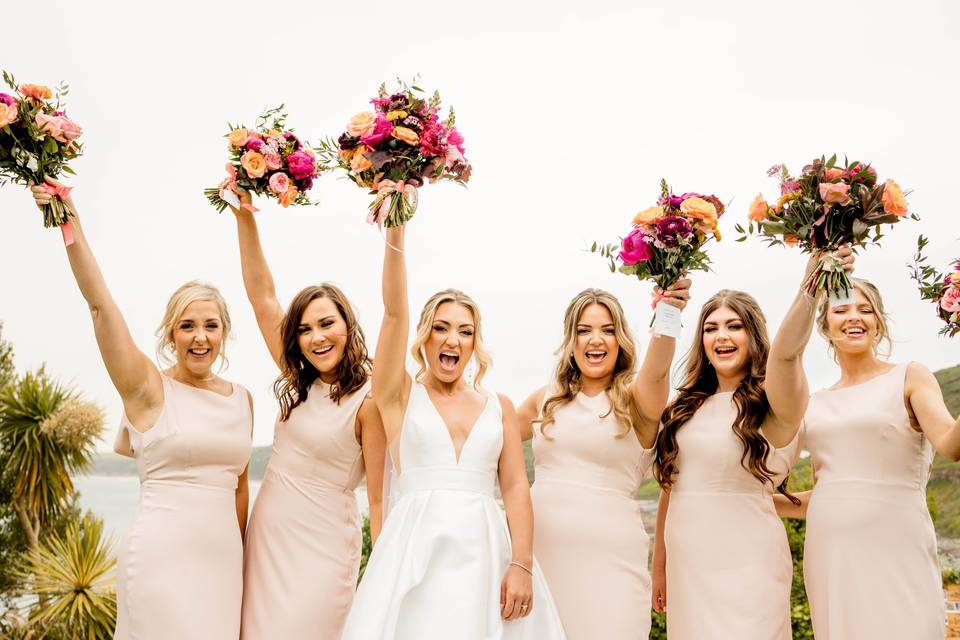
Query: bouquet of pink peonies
{"type": "Point", "coordinates": [666, 241]}
{"type": "Point", "coordinates": [394, 148]}
{"type": "Point", "coordinates": [826, 207]}
{"type": "Point", "coordinates": [942, 289]}
{"type": "Point", "coordinates": [266, 160]}
{"type": "Point", "coordinates": [37, 140]}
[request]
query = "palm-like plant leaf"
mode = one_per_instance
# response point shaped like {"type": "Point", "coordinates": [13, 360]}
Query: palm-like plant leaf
{"type": "Point", "coordinates": [73, 577]}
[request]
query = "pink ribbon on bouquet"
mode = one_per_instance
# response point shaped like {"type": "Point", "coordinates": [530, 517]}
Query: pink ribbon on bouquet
{"type": "Point", "coordinates": [62, 192]}
{"type": "Point", "coordinates": [230, 184]}
{"type": "Point", "coordinates": [657, 298]}
{"type": "Point", "coordinates": [385, 191]}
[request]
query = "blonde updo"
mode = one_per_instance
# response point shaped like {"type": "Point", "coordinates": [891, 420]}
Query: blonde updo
{"type": "Point", "coordinates": [872, 294]}
{"type": "Point", "coordinates": [188, 293]}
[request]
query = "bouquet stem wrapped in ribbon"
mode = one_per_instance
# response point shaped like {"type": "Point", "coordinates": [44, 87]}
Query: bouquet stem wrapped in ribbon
{"type": "Point", "coordinates": [941, 289]}
{"type": "Point", "coordinates": [37, 140]}
{"type": "Point", "coordinates": [395, 148]}
{"type": "Point", "coordinates": [665, 242]}
{"type": "Point", "coordinates": [826, 207]}
{"type": "Point", "coordinates": [267, 160]}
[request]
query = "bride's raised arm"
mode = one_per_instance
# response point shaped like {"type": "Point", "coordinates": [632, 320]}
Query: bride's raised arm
{"type": "Point", "coordinates": [391, 383]}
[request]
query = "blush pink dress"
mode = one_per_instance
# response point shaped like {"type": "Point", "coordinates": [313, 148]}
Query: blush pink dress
{"type": "Point", "coordinates": [729, 569]}
{"type": "Point", "coordinates": [588, 534]}
{"type": "Point", "coordinates": [870, 558]}
{"type": "Point", "coordinates": [180, 567]}
{"type": "Point", "coordinates": [303, 541]}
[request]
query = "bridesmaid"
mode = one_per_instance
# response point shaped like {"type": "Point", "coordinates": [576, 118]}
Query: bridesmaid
{"type": "Point", "coordinates": [593, 439]}
{"type": "Point", "coordinates": [180, 565]}
{"type": "Point", "coordinates": [870, 557]}
{"type": "Point", "coordinates": [728, 440]}
{"type": "Point", "coordinates": [303, 544]}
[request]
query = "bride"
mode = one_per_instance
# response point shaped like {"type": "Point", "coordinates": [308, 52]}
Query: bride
{"type": "Point", "coordinates": [446, 564]}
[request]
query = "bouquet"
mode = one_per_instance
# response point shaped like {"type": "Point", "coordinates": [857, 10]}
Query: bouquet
{"type": "Point", "coordinates": [37, 140]}
{"type": "Point", "coordinates": [665, 242]}
{"type": "Point", "coordinates": [942, 289]}
{"type": "Point", "coordinates": [394, 148]}
{"type": "Point", "coordinates": [826, 207]}
{"type": "Point", "coordinates": [266, 160]}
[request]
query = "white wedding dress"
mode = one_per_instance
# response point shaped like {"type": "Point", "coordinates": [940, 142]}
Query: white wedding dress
{"type": "Point", "coordinates": [436, 570]}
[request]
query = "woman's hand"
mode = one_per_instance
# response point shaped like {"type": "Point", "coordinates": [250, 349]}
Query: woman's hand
{"type": "Point", "coordinates": [659, 595]}
{"type": "Point", "coordinates": [844, 255]}
{"type": "Point", "coordinates": [516, 593]}
{"type": "Point", "coordinates": [42, 195]}
{"type": "Point", "coordinates": [246, 201]}
{"type": "Point", "coordinates": [677, 294]}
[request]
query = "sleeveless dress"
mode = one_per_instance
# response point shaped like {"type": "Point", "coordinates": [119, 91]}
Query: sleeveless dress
{"type": "Point", "coordinates": [729, 569]}
{"type": "Point", "coordinates": [436, 570]}
{"type": "Point", "coordinates": [588, 535]}
{"type": "Point", "coordinates": [180, 565]}
{"type": "Point", "coordinates": [870, 557]}
{"type": "Point", "coordinates": [303, 542]}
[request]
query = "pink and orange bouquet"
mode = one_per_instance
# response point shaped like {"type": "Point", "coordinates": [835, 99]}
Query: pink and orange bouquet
{"type": "Point", "coordinates": [824, 208]}
{"type": "Point", "coordinates": [394, 148]}
{"type": "Point", "coordinates": [267, 160]}
{"type": "Point", "coordinates": [37, 140]}
{"type": "Point", "coordinates": [941, 289]}
{"type": "Point", "coordinates": [666, 240]}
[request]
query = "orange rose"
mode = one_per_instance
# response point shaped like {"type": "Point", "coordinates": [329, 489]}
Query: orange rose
{"type": "Point", "coordinates": [758, 209]}
{"type": "Point", "coordinates": [347, 154]}
{"type": "Point", "coordinates": [289, 196]}
{"type": "Point", "coordinates": [893, 200]}
{"type": "Point", "coordinates": [832, 174]}
{"type": "Point", "coordinates": [8, 114]}
{"type": "Point", "coordinates": [406, 135]}
{"type": "Point", "coordinates": [699, 209]}
{"type": "Point", "coordinates": [238, 137]}
{"type": "Point", "coordinates": [791, 241]}
{"type": "Point", "coordinates": [361, 124]}
{"type": "Point", "coordinates": [955, 276]}
{"type": "Point", "coordinates": [36, 91]}
{"type": "Point", "coordinates": [254, 164]}
{"type": "Point", "coordinates": [360, 162]}
{"type": "Point", "coordinates": [648, 216]}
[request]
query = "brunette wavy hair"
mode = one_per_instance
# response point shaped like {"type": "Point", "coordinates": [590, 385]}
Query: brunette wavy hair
{"type": "Point", "coordinates": [700, 382]}
{"type": "Point", "coordinates": [568, 377]}
{"type": "Point", "coordinates": [297, 375]}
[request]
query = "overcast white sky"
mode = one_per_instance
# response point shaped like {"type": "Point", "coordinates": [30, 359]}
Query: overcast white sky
{"type": "Point", "coordinates": [572, 112]}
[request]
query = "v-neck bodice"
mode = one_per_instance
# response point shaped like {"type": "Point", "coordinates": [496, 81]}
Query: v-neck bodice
{"type": "Point", "coordinates": [425, 440]}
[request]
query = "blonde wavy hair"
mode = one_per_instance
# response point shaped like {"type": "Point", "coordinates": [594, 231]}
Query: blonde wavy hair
{"type": "Point", "coordinates": [425, 327]}
{"type": "Point", "coordinates": [188, 293]}
{"type": "Point", "coordinates": [872, 294]}
{"type": "Point", "coordinates": [567, 378]}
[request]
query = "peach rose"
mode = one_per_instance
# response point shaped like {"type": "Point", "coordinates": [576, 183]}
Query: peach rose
{"type": "Point", "coordinates": [406, 135]}
{"type": "Point", "coordinates": [893, 200]}
{"type": "Point", "coordinates": [69, 129]}
{"type": "Point", "coordinates": [8, 114]}
{"type": "Point", "coordinates": [49, 125]}
{"type": "Point", "coordinates": [954, 277]}
{"type": "Point", "coordinates": [361, 124]}
{"type": "Point", "coordinates": [273, 161]}
{"type": "Point", "coordinates": [279, 183]}
{"type": "Point", "coordinates": [648, 216]}
{"type": "Point", "coordinates": [254, 164]}
{"type": "Point", "coordinates": [699, 209]}
{"type": "Point", "coordinates": [832, 174]}
{"type": "Point", "coordinates": [238, 137]}
{"type": "Point", "coordinates": [289, 196]}
{"type": "Point", "coordinates": [835, 193]}
{"type": "Point", "coordinates": [360, 162]}
{"type": "Point", "coordinates": [36, 91]}
{"type": "Point", "coordinates": [758, 209]}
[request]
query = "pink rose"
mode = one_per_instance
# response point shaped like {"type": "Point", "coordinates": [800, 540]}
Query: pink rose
{"type": "Point", "coordinates": [273, 162]}
{"type": "Point", "coordinates": [835, 193]}
{"type": "Point", "coordinates": [69, 129]}
{"type": "Point", "coordinates": [279, 183]}
{"type": "Point", "coordinates": [634, 248]}
{"type": "Point", "coordinates": [950, 301]}
{"type": "Point", "coordinates": [380, 131]}
{"type": "Point", "coordinates": [49, 125]}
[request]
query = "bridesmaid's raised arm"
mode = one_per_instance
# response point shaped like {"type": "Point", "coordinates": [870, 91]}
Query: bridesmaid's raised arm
{"type": "Point", "coordinates": [390, 380]}
{"type": "Point", "coordinates": [930, 413]}
{"type": "Point", "coordinates": [258, 281]}
{"type": "Point", "coordinates": [786, 382]}
{"type": "Point", "coordinates": [651, 385]}
{"type": "Point", "coordinates": [133, 374]}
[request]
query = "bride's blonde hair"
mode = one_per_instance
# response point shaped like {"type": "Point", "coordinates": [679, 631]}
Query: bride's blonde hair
{"type": "Point", "coordinates": [567, 377]}
{"type": "Point", "coordinates": [425, 326]}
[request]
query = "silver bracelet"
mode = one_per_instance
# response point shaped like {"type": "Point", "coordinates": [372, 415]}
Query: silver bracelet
{"type": "Point", "coordinates": [522, 566]}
